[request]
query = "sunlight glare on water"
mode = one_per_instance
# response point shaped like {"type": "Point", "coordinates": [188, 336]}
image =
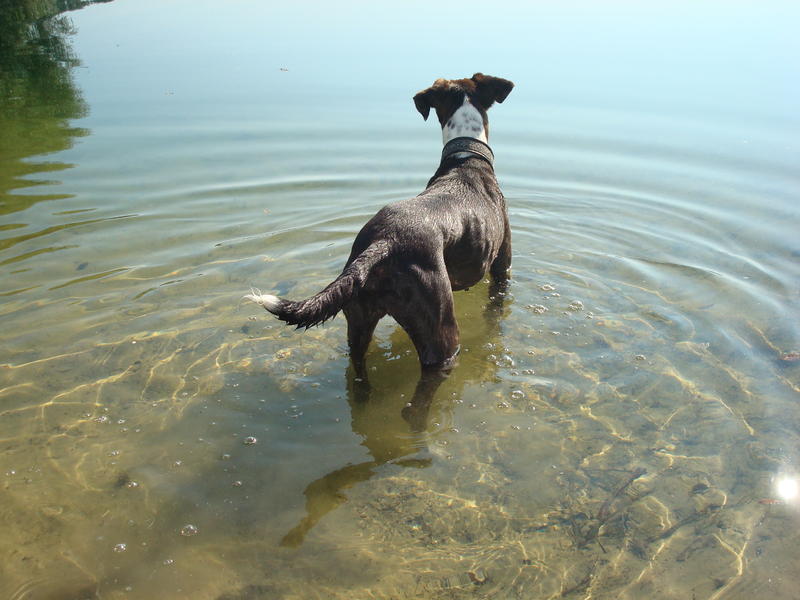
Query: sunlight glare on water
{"type": "Point", "coordinates": [623, 425]}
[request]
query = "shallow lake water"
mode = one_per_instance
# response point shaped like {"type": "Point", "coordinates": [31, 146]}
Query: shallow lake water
{"type": "Point", "coordinates": [623, 425]}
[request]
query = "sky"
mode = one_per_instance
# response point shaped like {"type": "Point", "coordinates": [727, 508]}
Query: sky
{"type": "Point", "coordinates": [734, 53]}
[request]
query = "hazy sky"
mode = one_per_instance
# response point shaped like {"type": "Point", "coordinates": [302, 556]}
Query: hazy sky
{"type": "Point", "coordinates": [706, 53]}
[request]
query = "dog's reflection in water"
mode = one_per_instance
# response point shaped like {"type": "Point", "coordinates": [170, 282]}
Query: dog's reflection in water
{"type": "Point", "coordinates": [394, 429]}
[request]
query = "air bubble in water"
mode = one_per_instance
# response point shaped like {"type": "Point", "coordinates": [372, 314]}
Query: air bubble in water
{"type": "Point", "coordinates": [188, 530]}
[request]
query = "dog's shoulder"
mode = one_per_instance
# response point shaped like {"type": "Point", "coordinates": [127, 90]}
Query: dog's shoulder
{"type": "Point", "coordinates": [472, 174]}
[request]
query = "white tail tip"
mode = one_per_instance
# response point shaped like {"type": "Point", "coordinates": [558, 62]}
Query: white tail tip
{"type": "Point", "coordinates": [268, 301]}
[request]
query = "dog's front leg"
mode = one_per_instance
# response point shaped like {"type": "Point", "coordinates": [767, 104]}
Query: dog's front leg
{"type": "Point", "coordinates": [500, 267]}
{"type": "Point", "coordinates": [502, 262]}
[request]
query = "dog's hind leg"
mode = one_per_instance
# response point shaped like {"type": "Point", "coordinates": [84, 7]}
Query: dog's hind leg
{"type": "Point", "coordinates": [362, 317]}
{"type": "Point", "coordinates": [429, 318]}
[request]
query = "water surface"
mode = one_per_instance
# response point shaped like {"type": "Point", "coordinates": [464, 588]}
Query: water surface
{"type": "Point", "coordinates": [623, 426]}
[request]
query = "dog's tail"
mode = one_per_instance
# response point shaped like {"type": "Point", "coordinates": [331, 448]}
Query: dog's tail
{"type": "Point", "coordinates": [324, 305]}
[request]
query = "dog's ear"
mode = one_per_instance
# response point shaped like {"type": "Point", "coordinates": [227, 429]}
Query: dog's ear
{"type": "Point", "coordinates": [491, 89]}
{"type": "Point", "coordinates": [422, 100]}
{"type": "Point", "coordinates": [430, 97]}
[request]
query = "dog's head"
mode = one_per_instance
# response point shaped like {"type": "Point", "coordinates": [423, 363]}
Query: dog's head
{"type": "Point", "coordinates": [447, 95]}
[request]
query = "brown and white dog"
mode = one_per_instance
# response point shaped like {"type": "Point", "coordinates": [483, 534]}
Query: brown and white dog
{"type": "Point", "coordinates": [410, 257]}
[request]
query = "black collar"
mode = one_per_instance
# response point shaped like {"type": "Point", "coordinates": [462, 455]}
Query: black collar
{"type": "Point", "coordinates": [468, 144]}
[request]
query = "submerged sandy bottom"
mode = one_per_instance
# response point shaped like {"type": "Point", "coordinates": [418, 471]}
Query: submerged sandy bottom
{"type": "Point", "coordinates": [568, 455]}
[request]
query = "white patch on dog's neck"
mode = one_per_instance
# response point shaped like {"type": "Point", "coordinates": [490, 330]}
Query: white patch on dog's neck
{"type": "Point", "coordinates": [467, 121]}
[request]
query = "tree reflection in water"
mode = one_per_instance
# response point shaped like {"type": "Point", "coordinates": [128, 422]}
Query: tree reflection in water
{"type": "Point", "coordinates": [38, 97]}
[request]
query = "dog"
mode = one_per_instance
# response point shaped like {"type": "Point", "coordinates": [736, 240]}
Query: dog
{"type": "Point", "coordinates": [411, 256]}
